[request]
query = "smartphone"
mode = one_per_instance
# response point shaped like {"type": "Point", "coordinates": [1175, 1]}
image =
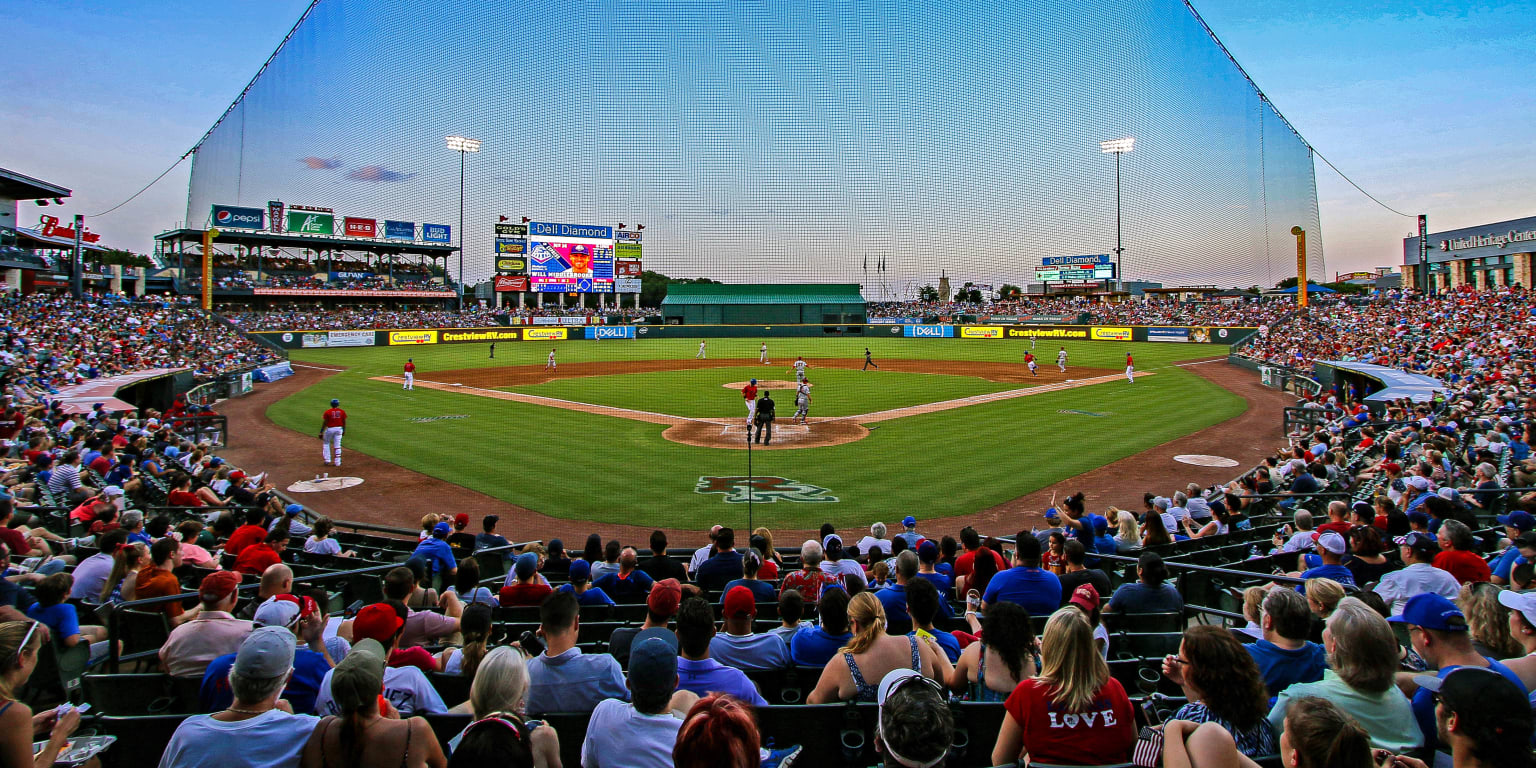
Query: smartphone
{"type": "Point", "coordinates": [530, 642]}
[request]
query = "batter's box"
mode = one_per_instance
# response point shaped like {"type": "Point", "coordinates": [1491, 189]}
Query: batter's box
{"type": "Point", "coordinates": [787, 432]}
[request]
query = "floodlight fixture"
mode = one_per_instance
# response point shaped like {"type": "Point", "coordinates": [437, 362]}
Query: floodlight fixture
{"type": "Point", "coordinates": [1117, 146]}
{"type": "Point", "coordinates": [462, 144]}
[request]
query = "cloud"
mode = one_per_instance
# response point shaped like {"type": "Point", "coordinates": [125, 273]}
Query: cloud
{"type": "Point", "coordinates": [319, 163]}
{"type": "Point", "coordinates": [379, 173]}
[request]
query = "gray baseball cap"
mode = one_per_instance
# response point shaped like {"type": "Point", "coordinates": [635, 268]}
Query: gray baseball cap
{"type": "Point", "coordinates": [266, 653]}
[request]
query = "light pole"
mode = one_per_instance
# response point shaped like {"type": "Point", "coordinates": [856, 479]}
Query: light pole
{"type": "Point", "coordinates": [463, 146]}
{"type": "Point", "coordinates": [1117, 147]}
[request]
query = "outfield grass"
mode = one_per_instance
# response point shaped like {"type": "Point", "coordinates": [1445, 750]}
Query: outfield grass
{"type": "Point", "coordinates": [592, 467]}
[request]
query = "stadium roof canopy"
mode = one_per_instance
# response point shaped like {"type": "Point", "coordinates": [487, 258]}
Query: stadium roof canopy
{"type": "Point", "coordinates": [763, 293]}
{"type": "Point", "coordinates": [19, 186]}
{"type": "Point", "coordinates": [264, 239]}
{"type": "Point", "coordinates": [1398, 384]}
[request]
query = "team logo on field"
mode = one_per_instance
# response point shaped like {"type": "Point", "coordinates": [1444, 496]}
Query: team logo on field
{"type": "Point", "coordinates": [762, 490]}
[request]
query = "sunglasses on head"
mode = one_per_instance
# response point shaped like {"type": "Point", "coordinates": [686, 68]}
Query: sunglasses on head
{"type": "Point", "coordinates": [26, 640]}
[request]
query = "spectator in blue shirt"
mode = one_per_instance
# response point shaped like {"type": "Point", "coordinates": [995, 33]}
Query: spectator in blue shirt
{"type": "Point", "coordinates": [696, 671]}
{"type": "Point", "coordinates": [1522, 546]}
{"type": "Point", "coordinates": [894, 597]}
{"type": "Point", "coordinates": [723, 566]}
{"type": "Point", "coordinates": [563, 679]}
{"type": "Point", "coordinates": [814, 646]}
{"type": "Point", "coordinates": [586, 594]}
{"type": "Point", "coordinates": [762, 591]}
{"type": "Point", "coordinates": [489, 538]}
{"type": "Point", "coordinates": [1283, 654]}
{"type": "Point", "coordinates": [923, 605]}
{"type": "Point", "coordinates": [1330, 551]}
{"type": "Point", "coordinates": [629, 584]}
{"type": "Point", "coordinates": [1038, 591]}
{"type": "Point", "coordinates": [436, 552]}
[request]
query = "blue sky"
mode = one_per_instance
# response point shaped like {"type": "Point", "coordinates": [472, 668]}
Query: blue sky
{"type": "Point", "coordinates": [1422, 105]}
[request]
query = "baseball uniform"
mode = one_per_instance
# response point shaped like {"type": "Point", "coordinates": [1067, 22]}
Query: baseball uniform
{"type": "Point", "coordinates": [802, 401]}
{"type": "Point", "coordinates": [549, 366]}
{"type": "Point", "coordinates": [867, 362]}
{"type": "Point", "coordinates": [1029, 360]}
{"type": "Point", "coordinates": [762, 353]}
{"type": "Point", "coordinates": [1130, 368]}
{"type": "Point", "coordinates": [749, 394]}
{"type": "Point", "coordinates": [1061, 359]}
{"type": "Point", "coordinates": [333, 423]}
{"type": "Point", "coordinates": [410, 375]}
{"type": "Point", "coordinates": [800, 369]}
{"type": "Point", "coordinates": [701, 355]}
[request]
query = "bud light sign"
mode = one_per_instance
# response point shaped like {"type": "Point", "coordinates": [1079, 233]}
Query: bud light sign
{"type": "Point", "coordinates": [928, 331]}
{"type": "Point", "coordinates": [234, 217]}
{"type": "Point", "coordinates": [437, 233]}
{"type": "Point", "coordinates": [610, 331]}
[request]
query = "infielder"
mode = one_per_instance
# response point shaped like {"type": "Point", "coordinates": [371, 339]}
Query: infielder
{"type": "Point", "coordinates": [799, 369]}
{"type": "Point", "coordinates": [1029, 360]}
{"type": "Point", "coordinates": [1061, 359]}
{"type": "Point", "coordinates": [762, 353]}
{"type": "Point", "coordinates": [749, 394]}
{"type": "Point", "coordinates": [550, 366]}
{"type": "Point", "coordinates": [701, 355]}
{"type": "Point", "coordinates": [332, 424]}
{"type": "Point", "coordinates": [803, 401]}
{"type": "Point", "coordinates": [410, 373]}
{"type": "Point", "coordinates": [1130, 368]}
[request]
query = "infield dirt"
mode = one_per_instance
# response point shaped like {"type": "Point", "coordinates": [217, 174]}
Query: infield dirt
{"type": "Point", "coordinates": [525, 375]}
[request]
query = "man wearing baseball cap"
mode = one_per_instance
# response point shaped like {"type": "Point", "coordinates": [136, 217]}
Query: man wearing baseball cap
{"type": "Point", "coordinates": [461, 540]}
{"type": "Point", "coordinates": [909, 524]}
{"type": "Point", "coordinates": [299, 618]}
{"type": "Point", "coordinates": [660, 606]}
{"type": "Point", "coordinates": [254, 730]}
{"type": "Point", "coordinates": [1330, 557]}
{"type": "Point", "coordinates": [1481, 717]}
{"type": "Point", "coordinates": [580, 575]}
{"type": "Point", "coordinates": [1439, 633]}
{"type": "Point", "coordinates": [1517, 526]}
{"type": "Point", "coordinates": [642, 732]}
{"type": "Point", "coordinates": [296, 527]}
{"type": "Point", "coordinates": [437, 553]}
{"type": "Point", "coordinates": [406, 687]}
{"type": "Point", "coordinates": [737, 646]}
{"type": "Point", "coordinates": [1418, 550]}
{"type": "Point", "coordinates": [915, 727]}
{"type": "Point", "coordinates": [214, 632]}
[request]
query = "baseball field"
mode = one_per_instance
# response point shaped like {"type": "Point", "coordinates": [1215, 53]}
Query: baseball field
{"type": "Point", "coordinates": [645, 433]}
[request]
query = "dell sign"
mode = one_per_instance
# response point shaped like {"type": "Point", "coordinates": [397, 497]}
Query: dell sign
{"type": "Point", "coordinates": [610, 331]}
{"type": "Point", "coordinates": [928, 331]}
{"type": "Point", "coordinates": [235, 217]}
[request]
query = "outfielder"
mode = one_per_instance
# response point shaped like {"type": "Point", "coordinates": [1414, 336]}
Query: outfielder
{"type": "Point", "coordinates": [762, 353]}
{"type": "Point", "coordinates": [1130, 368]}
{"type": "Point", "coordinates": [493, 350]}
{"type": "Point", "coordinates": [332, 424]}
{"type": "Point", "coordinates": [803, 401]}
{"type": "Point", "coordinates": [1029, 360]}
{"type": "Point", "coordinates": [410, 373]}
{"type": "Point", "coordinates": [799, 369]}
{"type": "Point", "coordinates": [550, 366]}
{"type": "Point", "coordinates": [868, 362]}
{"type": "Point", "coordinates": [749, 394]}
{"type": "Point", "coordinates": [1061, 359]}
{"type": "Point", "coordinates": [701, 355]}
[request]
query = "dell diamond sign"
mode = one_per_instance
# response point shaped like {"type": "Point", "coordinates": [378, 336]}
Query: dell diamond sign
{"type": "Point", "coordinates": [235, 217]}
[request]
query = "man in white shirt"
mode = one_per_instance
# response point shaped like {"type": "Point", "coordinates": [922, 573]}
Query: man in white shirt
{"type": "Point", "coordinates": [737, 646]}
{"type": "Point", "coordinates": [1418, 550]}
{"type": "Point", "coordinates": [705, 552]}
{"type": "Point", "coordinates": [256, 730]}
{"type": "Point", "coordinates": [838, 565]}
{"type": "Point", "coordinates": [406, 688]}
{"type": "Point", "coordinates": [875, 540]}
{"type": "Point", "coordinates": [641, 734]}
{"type": "Point", "coordinates": [1301, 539]}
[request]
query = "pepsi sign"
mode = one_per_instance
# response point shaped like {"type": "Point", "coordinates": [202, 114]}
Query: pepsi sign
{"type": "Point", "coordinates": [437, 233]}
{"type": "Point", "coordinates": [235, 217]}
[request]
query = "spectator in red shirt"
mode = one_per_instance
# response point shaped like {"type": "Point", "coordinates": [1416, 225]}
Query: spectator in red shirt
{"type": "Point", "coordinates": [181, 494]}
{"type": "Point", "coordinates": [527, 589]}
{"type": "Point", "coordinates": [256, 558]}
{"type": "Point", "coordinates": [1338, 519]}
{"type": "Point", "coordinates": [970, 540]}
{"type": "Point", "coordinates": [1456, 556]}
{"type": "Point", "coordinates": [251, 533]}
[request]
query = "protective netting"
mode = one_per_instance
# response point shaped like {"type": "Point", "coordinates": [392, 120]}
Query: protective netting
{"type": "Point", "coordinates": [790, 141]}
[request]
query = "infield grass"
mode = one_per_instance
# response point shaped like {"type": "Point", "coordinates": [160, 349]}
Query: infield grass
{"type": "Point", "coordinates": [592, 467]}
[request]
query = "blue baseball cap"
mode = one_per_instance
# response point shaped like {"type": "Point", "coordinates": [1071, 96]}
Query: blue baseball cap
{"type": "Point", "coordinates": [753, 382]}
{"type": "Point", "coordinates": [581, 571]}
{"type": "Point", "coordinates": [1418, 517]}
{"type": "Point", "coordinates": [441, 529]}
{"type": "Point", "coordinates": [525, 565]}
{"type": "Point", "coordinates": [293, 509]}
{"type": "Point", "coordinates": [1100, 524]}
{"type": "Point", "coordinates": [909, 521]}
{"type": "Point", "coordinates": [1519, 520]}
{"type": "Point", "coordinates": [1432, 611]}
{"type": "Point", "coordinates": [1051, 514]}
{"type": "Point", "coordinates": [335, 403]}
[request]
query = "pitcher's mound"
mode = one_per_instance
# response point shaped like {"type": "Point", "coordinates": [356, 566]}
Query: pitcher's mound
{"type": "Point", "coordinates": [764, 384]}
{"type": "Point", "coordinates": [324, 484]}
{"type": "Point", "coordinates": [732, 433]}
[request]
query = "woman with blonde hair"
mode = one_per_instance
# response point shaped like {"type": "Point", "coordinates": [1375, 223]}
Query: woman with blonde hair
{"type": "Point", "coordinates": [1128, 536]}
{"type": "Point", "coordinates": [1073, 685]}
{"type": "Point", "coordinates": [860, 665]}
{"type": "Point", "coordinates": [1323, 595]}
{"type": "Point", "coordinates": [769, 553]}
{"type": "Point", "coordinates": [499, 734]}
{"type": "Point", "coordinates": [20, 642]}
{"type": "Point", "coordinates": [1488, 620]}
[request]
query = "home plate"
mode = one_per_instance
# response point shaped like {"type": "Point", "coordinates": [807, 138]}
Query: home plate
{"type": "Point", "coordinates": [324, 484]}
{"type": "Point", "coordinates": [787, 433]}
{"type": "Point", "coordinates": [1204, 460]}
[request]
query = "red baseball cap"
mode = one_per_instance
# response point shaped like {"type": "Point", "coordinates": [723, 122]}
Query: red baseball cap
{"type": "Point", "coordinates": [740, 601]}
{"type": "Point", "coordinates": [377, 622]}
{"type": "Point", "coordinates": [461, 519]}
{"type": "Point", "coordinates": [219, 585]}
{"type": "Point", "coordinates": [1085, 597]}
{"type": "Point", "coordinates": [664, 597]}
{"type": "Point", "coordinates": [306, 604]}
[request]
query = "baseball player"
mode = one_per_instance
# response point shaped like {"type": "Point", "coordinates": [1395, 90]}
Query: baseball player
{"type": "Point", "coordinates": [1130, 368]}
{"type": "Point", "coordinates": [749, 394]}
{"type": "Point", "coordinates": [550, 366]}
{"type": "Point", "coordinates": [868, 362]}
{"type": "Point", "coordinates": [1029, 360]}
{"type": "Point", "coordinates": [764, 417]}
{"type": "Point", "coordinates": [1061, 359]}
{"type": "Point", "coordinates": [762, 353]}
{"type": "Point", "coordinates": [493, 350]}
{"type": "Point", "coordinates": [332, 424]}
{"type": "Point", "coordinates": [410, 373]}
{"type": "Point", "coordinates": [799, 369]}
{"type": "Point", "coordinates": [702, 355]}
{"type": "Point", "coordinates": [802, 401]}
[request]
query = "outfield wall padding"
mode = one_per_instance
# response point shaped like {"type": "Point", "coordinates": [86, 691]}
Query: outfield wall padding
{"type": "Point", "coordinates": [985, 332]}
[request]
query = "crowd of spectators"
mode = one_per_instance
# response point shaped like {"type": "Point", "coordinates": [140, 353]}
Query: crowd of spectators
{"type": "Point", "coordinates": [362, 318]}
{"type": "Point", "coordinates": [1420, 534]}
{"type": "Point", "coordinates": [1243, 312]}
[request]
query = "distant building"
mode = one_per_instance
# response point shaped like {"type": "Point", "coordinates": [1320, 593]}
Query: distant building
{"type": "Point", "coordinates": [1483, 256]}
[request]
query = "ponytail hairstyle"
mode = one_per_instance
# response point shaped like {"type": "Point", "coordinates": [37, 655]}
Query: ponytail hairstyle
{"type": "Point", "coordinates": [751, 562]}
{"type": "Point", "coordinates": [12, 634]}
{"type": "Point", "coordinates": [1153, 571]}
{"type": "Point", "coordinates": [865, 609]}
{"type": "Point", "coordinates": [1075, 503]}
{"type": "Point", "coordinates": [323, 527]}
{"type": "Point", "coordinates": [476, 626]}
{"type": "Point", "coordinates": [1325, 737]}
{"type": "Point", "coordinates": [124, 561]}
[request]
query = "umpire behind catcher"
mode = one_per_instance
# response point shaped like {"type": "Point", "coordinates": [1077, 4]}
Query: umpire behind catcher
{"type": "Point", "coordinates": [764, 418]}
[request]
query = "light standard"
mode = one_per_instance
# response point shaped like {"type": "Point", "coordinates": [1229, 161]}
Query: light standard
{"type": "Point", "coordinates": [462, 146]}
{"type": "Point", "coordinates": [1117, 147]}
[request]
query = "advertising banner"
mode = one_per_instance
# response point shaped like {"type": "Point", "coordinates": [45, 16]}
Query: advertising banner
{"type": "Point", "coordinates": [351, 275]}
{"type": "Point", "coordinates": [510, 246]}
{"type": "Point", "coordinates": [397, 338]}
{"type": "Point", "coordinates": [399, 230]}
{"type": "Point", "coordinates": [579, 261]}
{"type": "Point", "coordinates": [626, 285]}
{"type": "Point", "coordinates": [313, 340]}
{"type": "Point", "coordinates": [275, 215]}
{"type": "Point", "coordinates": [505, 283]}
{"type": "Point", "coordinates": [569, 285]}
{"type": "Point", "coordinates": [544, 334]}
{"type": "Point", "coordinates": [512, 265]}
{"type": "Point", "coordinates": [1061, 261]}
{"type": "Point", "coordinates": [436, 233]}
{"type": "Point", "coordinates": [447, 336]}
{"type": "Point", "coordinates": [1083, 273]}
{"type": "Point", "coordinates": [928, 331]}
{"type": "Point", "coordinates": [1100, 333]}
{"type": "Point", "coordinates": [623, 268]}
{"type": "Point", "coordinates": [311, 223]}
{"type": "Point", "coordinates": [981, 332]}
{"type": "Point", "coordinates": [572, 320]}
{"type": "Point", "coordinates": [1180, 335]}
{"type": "Point", "coordinates": [235, 217]}
{"type": "Point", "coordinates": [511, 230]}
{"type": "Point", "coordinates": [349, 338]}
{"type": "Point", "coordinates": [356, 227]}
{"type": "Point", "coordinates": [545, 320]}
{"type": "Point", "coordinates": [350, 293]}
{"type": "Point", "coordinates": [895, 320]}
{"type": "Point", "coordinates": [626, 236]}
{"type": "Point", "coordinates": [610, 332]}
{"type": "Point", "coordinates": [583, 231]}
{"type": "Point", "coordinates": [626, 251]}
{"type": "Point", "coordinates": [1047, 332]}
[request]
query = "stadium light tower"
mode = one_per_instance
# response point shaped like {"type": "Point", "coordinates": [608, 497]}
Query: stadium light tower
{"type": "Point", "coordinates": [463, 146]}
{"type": "Point", "coordinates": [1117, 147]}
